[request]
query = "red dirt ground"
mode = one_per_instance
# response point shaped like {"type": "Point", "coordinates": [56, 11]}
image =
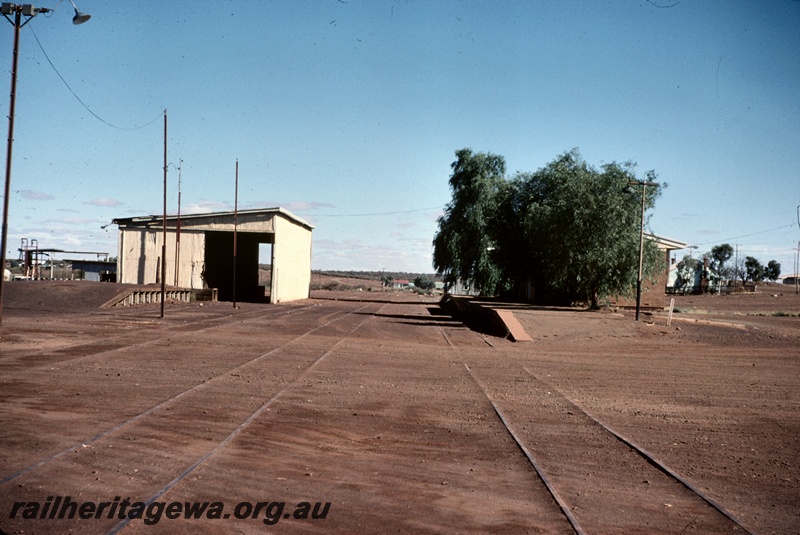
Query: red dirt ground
{"type": "Point", "coordinates": [388, 410]}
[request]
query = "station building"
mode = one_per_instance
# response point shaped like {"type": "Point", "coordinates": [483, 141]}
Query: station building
{"type": "Point", "coordinates": [200, 253]}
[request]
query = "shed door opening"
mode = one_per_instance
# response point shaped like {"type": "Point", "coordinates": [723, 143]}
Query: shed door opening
{"type": "Point", "coordinates": [219, 265]}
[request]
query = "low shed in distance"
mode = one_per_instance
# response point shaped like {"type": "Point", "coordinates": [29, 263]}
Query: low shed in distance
{"type": "Point", "coordinates": [654, 294]}
{"type": "Point", "coordinates": [203, 247]}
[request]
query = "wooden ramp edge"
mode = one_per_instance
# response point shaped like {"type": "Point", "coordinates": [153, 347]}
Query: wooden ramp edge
{"type": "Point", "coordinates": [145, 296]}
{"type": "Point", "coordinates": [482, 316]}
{"type": "Point", "coordinates": [516, 331]}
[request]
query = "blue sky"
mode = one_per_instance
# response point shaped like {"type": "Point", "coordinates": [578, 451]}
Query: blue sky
{"type": "Point", "coordinates": [348, 113]}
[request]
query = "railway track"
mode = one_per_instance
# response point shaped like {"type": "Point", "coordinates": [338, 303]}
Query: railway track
{"type": "Point", "coordinates": [557, 432]}
{"type": "Point", "coordinates": [254, 361]}
{"type": "Point", "coordinates": [650, 458]}
{"type": "Point", "coordinates": [252, 417]}
{"type": "Point", "coordinates": [119, 339]}
{"type": "Point", "coordinates": [259, 414]}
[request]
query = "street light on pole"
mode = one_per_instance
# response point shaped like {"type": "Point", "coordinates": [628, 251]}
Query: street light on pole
{"type": "Point", "coordinates": [643, 184]}
{"type": "Point", "coordinates": [18, 11]}
{"type": "Point", "coordinates": [79, 17]}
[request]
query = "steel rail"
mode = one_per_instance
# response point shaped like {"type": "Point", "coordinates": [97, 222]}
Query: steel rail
{"type": "Point", "coordinates": [650, 458]}
{"type": "Point", "coordinates": [165, 332]}
{"type": "Point", "coordinates": [171, 400]}
{"type": "Point", "coordinates": [628, 442]}
{"type": "Point", "coordinates": [550, 488]}
{"type": "Point", "coordinates": [253, 416]}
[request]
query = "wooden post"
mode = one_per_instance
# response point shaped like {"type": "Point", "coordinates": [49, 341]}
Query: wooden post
{"type": "Point", "coordinates": [164, 225]}
{"type": "Point", "coordinates": [235, 224]}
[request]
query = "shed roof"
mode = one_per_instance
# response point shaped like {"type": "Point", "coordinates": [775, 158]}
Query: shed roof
{"type": "Point", "coordinates": [665, 243]}
{"type": "Point", "coordinates": [150, 219]}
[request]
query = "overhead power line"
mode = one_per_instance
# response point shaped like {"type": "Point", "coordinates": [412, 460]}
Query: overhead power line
{"type": "Point", "coordinates": [748, 235]}
{"type": "Point", "coordinates": [157, 117]}
{"type": "Point", "coordinates": [371, 214]}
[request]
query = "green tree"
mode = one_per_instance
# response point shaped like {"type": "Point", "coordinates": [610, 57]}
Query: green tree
{"type": "Point", "coordinates": [423, 283]}
{"type": "Point", "coordinates": [512, 253]}
{"type": "Point", "coordinates": [583, 228]}
{"type": "Point", "coordinates": [772, 271]}
{"type": "Point", "coordinates": [753, 270]}
{"type": "Point", "coordinates": [717, 257]}
{"type": "Point", "coordinates": [462, 245]}
{"type": "Point", "coordinates": [569, 229]}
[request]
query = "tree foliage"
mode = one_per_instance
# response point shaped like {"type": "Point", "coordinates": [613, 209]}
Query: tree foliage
{"type": "Point", "coordinates": [773, 270]}
{"type": "Point", "coordinates": [718, 256]}
{"type": "Point", "coordinates": [753, 270]}
{"type": "Point", "coordinates": [569, 229]}
{"type": "Point", "coordinates": [749, 269]}
{"type": "Point", "coordinates": [462, 245]}
{"type": "Point", "coordinates": [423, 283]}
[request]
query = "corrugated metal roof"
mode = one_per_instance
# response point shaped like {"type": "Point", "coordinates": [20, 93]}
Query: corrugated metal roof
{"type": "Point", "coordinates": [143, 220]}
{"type": "Point", "coordinates": [666, 243]}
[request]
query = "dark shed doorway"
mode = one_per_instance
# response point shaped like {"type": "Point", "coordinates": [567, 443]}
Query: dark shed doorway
{"type": "Point", "coordinates": [219, 265]}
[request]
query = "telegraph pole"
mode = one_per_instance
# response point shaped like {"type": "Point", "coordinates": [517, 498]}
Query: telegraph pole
{"type": "Point", "coordinates": [178, 228]}
{"type": "Point", "coordinates": [796, 268]}
{"type": "Point", "coordinates": [235, 224]}
{"type": "Point", "coordinates": [164, 225]}
{"type": "Point", "coordinates": [643, 184]}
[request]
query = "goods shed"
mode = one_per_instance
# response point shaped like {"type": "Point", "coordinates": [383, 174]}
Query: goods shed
{"type": "Point", "coordinates": [199, 253]}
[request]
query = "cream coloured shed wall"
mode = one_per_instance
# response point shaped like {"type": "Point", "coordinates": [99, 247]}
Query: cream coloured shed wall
{"type": "Point", "coordinates": [192, 253]}
{"type": "Point", "coordinates": [139, 257]}
{"type": "Point", "coordinates": [291, 262]}
{"type": "Point", "coordinates": [263, 223]}
{"type": "Point", "coordinates": [137, 262]}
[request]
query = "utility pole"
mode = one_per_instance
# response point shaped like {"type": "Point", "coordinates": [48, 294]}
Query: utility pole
{"type": "Point", "coordinates": [18, 11]}
{"type": "Point", "coordinates": [178, 228]}
{"type": "Point", "coordinates": [9, 148]}
{"type": "Point", "coordinates": [796, 268]}
{"type": "Point", "coordinates": [235, 225]}
{"type": "Point", "coordinates": [164, 225]}
{"type": "Point", "coordinates": [643, 184]}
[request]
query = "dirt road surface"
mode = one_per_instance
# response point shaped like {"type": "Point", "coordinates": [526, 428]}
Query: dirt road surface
{"type": "Point", "coordinates": [375, 413]}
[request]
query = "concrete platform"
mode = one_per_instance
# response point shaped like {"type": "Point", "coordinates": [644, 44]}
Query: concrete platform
{"type": "Point", "coordinates": [516, 332]}
{"type": "Point", "coordinates": [483, 316]}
